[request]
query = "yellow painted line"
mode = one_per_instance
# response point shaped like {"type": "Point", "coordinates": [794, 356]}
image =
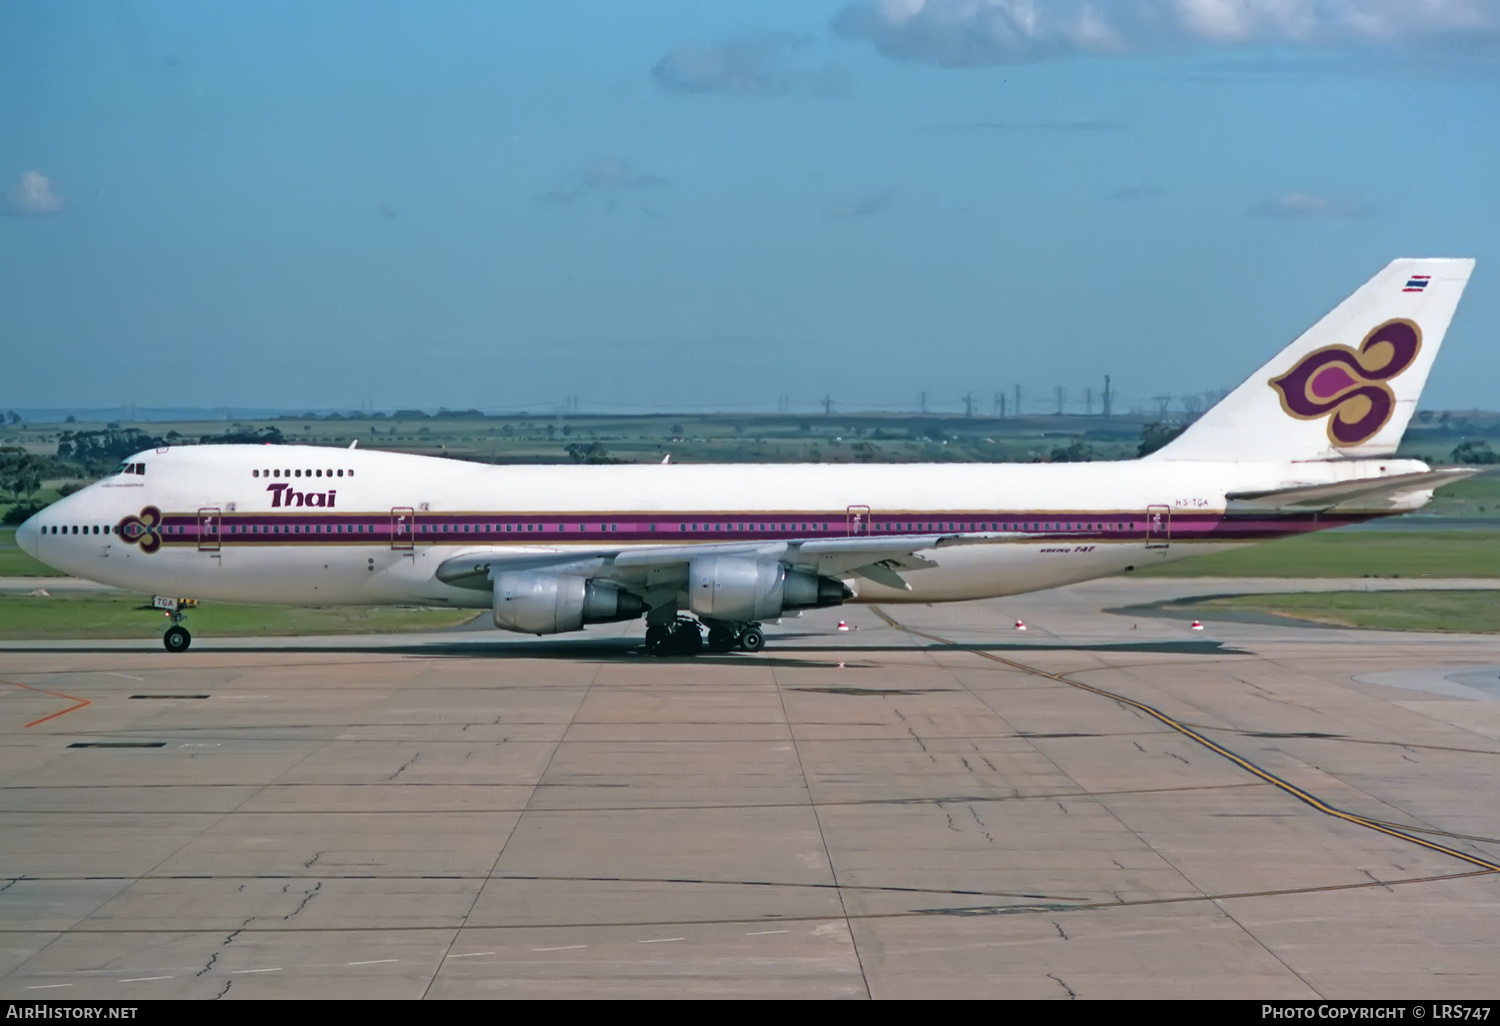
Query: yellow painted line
{"type": "Point", "coordinates": [1213, 746]}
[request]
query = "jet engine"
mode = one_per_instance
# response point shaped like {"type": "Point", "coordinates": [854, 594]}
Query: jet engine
{"type": "Point", "coordinates": [533, 602]}
{"type": "Point", "coordinates": [739, 590]}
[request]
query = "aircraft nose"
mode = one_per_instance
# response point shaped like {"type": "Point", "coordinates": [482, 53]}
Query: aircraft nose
{"type": "Point", "coordinates": [26, 537]}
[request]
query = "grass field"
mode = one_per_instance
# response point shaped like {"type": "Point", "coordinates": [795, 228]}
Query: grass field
{"type": "Point", "coordinates": [125, 616]}
{"type": "Point", "coordinates": [15, 563]}
{"type": "Point", "coordinates": [1354, 554]}
{"type": "Point", "coordinates": [1467, 612]}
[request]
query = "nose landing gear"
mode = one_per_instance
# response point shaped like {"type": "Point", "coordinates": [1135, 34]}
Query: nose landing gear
{"type": "Point", "coordinates": [177, 638]}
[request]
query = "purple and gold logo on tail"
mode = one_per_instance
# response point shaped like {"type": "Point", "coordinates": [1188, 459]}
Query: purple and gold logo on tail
{"type": "Point", "coordinates": [143, 530]}
{"type": "Point", "coordinates": [1348, 386]}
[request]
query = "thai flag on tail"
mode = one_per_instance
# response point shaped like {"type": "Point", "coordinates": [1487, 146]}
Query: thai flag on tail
{"type": "Point", "coordinates": [1417, 283]}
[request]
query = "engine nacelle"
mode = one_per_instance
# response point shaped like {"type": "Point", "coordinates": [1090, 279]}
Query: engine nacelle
{"type": "Point", "coordinates": [739, 590]}
{"type": "Point", "coordinates": [533, 602]}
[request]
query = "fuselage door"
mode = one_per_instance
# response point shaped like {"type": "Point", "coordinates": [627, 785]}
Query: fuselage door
{"type": "Point", "coordinates": [403, 528]}
{"type": "Point", "coordinates": [859, 520]}
{"type": "Point", "coordinates": [1158, 526]}
{"type": "Point", "coordinates": [208, 529]}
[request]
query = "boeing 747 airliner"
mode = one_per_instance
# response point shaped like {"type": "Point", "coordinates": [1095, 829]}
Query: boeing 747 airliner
{"type": "Point", "coordinates": [1308, 442]}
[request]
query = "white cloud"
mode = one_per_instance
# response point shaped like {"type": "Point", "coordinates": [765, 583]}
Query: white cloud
{"type": "Point", "coordinates": [33, 194]}
{"type": "Point", "coordinates": [767, 64]}
{"type": "Point", "coordinates": [1309, 205]}
{"type": "Point", "coordinates": [957, 33]}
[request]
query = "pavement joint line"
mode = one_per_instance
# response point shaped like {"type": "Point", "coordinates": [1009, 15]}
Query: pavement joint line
{"type": "Point", "coordinates": [1050, 909]}
{"type": "Point", "coordinates": [1306, 797]}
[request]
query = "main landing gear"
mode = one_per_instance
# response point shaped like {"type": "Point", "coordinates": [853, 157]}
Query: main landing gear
{"type": "Point", "coordinates": [684, 637]}
{"type": "Point", "coordinates": [724, 636]}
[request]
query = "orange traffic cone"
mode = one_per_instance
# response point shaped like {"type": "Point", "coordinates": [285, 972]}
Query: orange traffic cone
{"type": "Point", "coordinates": [1020, 626]}
{"type": "Point", "coordinates": [1196, 626]}
{"type": "Point", "coordinates": [843, 626]}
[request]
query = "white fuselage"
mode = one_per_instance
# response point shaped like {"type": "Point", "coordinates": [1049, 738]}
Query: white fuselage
{"type": "Point", "coordinates": [318, 526]}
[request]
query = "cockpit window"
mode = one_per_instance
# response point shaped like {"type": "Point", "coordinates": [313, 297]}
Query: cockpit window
{"type": "Point", "coordinates": [123, 468]}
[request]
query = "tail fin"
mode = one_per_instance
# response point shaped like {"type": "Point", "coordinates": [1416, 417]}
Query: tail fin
{"type": "Point", "coordinates": [1348, 386]}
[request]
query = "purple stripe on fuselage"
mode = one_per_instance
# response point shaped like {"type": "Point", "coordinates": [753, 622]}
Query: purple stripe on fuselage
{"type": "Point", "coordinates": [459, 529]}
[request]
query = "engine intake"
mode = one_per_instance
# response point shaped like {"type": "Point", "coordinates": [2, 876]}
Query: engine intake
{"type": "Point", "coordinates": [740, 590]}
{"type": "Point", "coordinates": [542, 603]}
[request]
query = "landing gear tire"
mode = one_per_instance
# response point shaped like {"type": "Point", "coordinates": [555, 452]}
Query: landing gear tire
{"type": "Point", "coordinates": [720, 639]}
{"type": "Point", "coordinates": [656, 638]}
{"type": "Point", "coordinates": [752, 640]}
{"type": "Point", "coordinates": [177, 639]}
{"type": "Point", "coordinates": [681, 637]}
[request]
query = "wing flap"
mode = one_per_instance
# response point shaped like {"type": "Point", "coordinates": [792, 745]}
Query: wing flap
{"type": "Point", "coordinates": [876, 557]}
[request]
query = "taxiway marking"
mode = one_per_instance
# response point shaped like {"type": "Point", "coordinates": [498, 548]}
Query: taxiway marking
{"type": "Point", "coordinates": [1285, 785]}
{"type": "Point", "coordinates": [81, 702]}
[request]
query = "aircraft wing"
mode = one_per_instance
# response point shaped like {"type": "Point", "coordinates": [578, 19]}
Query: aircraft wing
{"type": "Point", "coordinates": [1368, 495]}
{"type": "Point", "coordinates": [877, 558]}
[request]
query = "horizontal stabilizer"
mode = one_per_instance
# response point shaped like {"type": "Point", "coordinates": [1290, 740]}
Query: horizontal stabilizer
{"type": "Point", "coordinates": [1368, 495]}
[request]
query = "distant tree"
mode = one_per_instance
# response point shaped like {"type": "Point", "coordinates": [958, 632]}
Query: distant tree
{"type": "Point", "coordinates": [21, 472]}
{"type": "Point", "coordinates": [588, 452]}
{"type": "Point", "coordinates": [97, 451]}
{"type": "Point", "coordinates": [71, 419]}
{"type": "Point", "coordinates": [1076, 451]}
{"type": "Point", "coordinates": [1474, 453]}
{"type": "Point", "coordinates": [1155, 435]}
{"type": "Point", "coordinates": [21, 512]}
{"type": "Point", "coordinates": [567, 430]}
{"type": "Point", "coordinates": [244, 434]}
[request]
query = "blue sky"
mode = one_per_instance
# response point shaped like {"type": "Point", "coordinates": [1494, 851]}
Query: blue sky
{"type": "Point", "coordinates": [682, 205]}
